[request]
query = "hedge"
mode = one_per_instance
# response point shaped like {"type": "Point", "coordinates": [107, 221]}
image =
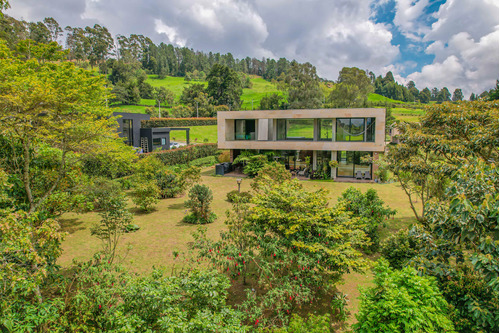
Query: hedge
{"type": "Point", "coordinates": [184, 154]}
{"type": "Point", "coordinates": [178, 122]}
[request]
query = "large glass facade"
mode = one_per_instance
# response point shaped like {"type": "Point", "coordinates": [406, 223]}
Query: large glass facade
{"type": "Point", "coordinates": [295, 129]}
{"type": "Point", "coordinates": [351, 162]}
{"type": "Point", "coordinates": [128, 132]}
{"type": "Point", "coordinates": [325, 129]}
{"type": "Point", "coordinates": [355, 129]}
{"type": "Point", "coordinates": [244, 129]}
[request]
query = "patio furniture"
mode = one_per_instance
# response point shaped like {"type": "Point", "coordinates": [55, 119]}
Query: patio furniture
{"type": "Point", "coordinates": [359, 175]}
{"type": "Point", "coordinates": [367, 175]}
{"type": "Point", "coordinates": [303, 172]}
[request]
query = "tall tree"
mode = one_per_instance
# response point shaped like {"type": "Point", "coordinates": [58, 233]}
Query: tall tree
{"type": "Point", "coordinates": [52, 104]}
{"type": "Point", "coordinates": [457, 95]}
{"type": "Point", "coordinates": [53, 27]}
{"type": "Point", "coordinates": [302, 84]}
{"type": "Point", "coordinates": [356, 77]}
{"type": "Point", "coordinates": [444, 95]}
{"type": "Point", "coordinates": [224, 86]}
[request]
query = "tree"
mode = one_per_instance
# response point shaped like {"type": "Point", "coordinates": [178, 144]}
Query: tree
{"type": "Point", "coordinates": [146, 195]}
{"type": "Point", "coordinates": [224, 86]}
{"type": "Point", "coordinates": [457, 95]}
{"type": "Point", "coordinates": [345, 95]}
{"type": "Point", "coordinates": [493, 93]}
{"type": "Point", "coordinates": [53, 27]}
{"type": "Point", "coordinates": [53, 104]}
{"type": "Point", "coordinates": [302, 84]}
{"type": "Point", "coordinates": [200, 197]}
{"type": "Point", "coordinates": [356, 77]}
{"type": "Point", "coordinates": [448, 136]}
{"type": "Point", "coordinates": [98, 44]}
{"type": "Point", "coordinates": [271, 102]}
{"type": "Point", "coordinates": [162, 94]}
{"type": "Point", "coordinates": [402, 301]}
{"type": "Point", "coordinates": [113, 224]}
{"type": "Point", "coordinates": [293, 245]}
{"type": "Point", "coordinates": [444, 95]}
{"type": "Point", "coordinates": [472, 97]}
{"type": "Point", "coordinates": [425, 95]}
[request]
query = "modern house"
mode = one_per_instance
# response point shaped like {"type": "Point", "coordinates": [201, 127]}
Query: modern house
{"type": "Point", "coordinates": [308, 138]}
{"type": "Point", "coordinates": [148, 139]}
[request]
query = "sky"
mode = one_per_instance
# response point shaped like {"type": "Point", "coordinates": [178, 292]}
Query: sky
{"type": "Point", "coordinates": [435, 43]}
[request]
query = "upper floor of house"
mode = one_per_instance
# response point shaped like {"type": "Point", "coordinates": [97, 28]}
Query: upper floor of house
{"type": "Point", "coordinates": [317, 129]}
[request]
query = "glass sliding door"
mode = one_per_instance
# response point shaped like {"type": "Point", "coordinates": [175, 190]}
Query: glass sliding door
{"type": "Point", "coordinates": [351, 162]}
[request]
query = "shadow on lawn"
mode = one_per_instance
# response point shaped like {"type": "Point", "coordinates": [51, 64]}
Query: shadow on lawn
{"type": "Point", "coordinates": [179, 205]}
{"type": "Point", "coordinates": [71, 225]}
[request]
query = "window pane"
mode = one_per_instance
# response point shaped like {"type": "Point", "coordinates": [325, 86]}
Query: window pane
{"type": "Point", "coordinates": [157, 142]}
{"type": "Point", "coordinates": [342, 131]}
{"type": "Point", "coordinates": [281, 132]}
{"type": "Point", "coordinates": [370, 129]}
{"type": "Point", "coordinates": [357, 129]}
{"type": "Point", "coordinates": [128, 133]}
{"type": "Point", "coordinates": [300, 129]}
{"type": "Point", "coordinates": [346, 165]}
{"type": "Point", "coordinates": [359, 165]}
{"type": "Point", "coordinates": [325, 129]}
{"type": "Point", "coordinates": [244, 129]}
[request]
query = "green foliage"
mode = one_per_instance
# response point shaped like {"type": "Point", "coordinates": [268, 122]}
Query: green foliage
{"type": "Point", "coordinates": [204, 161]}
{"type": "Point", "coordinates": [200, 198]}
{"type": "Point", "coordinates": [145, 195]}
{"type": "Point", "coordinates": [291, 243]}
{"type": "Point", "coordinates": [271, 102]}
{"type": "Point", "coordinates": [224, 86]}
{"type": "Point", "coordinates": [113, 161]}
{"type": "Point", "coordinates": [169, 184]}
{"type": "Point", "coordinates": [400, 248]}
{"type": "Point", "coordinates": [115, 218]}
{"type": "Point", "coordinates": [183, 111]}
{"type": "Point", "coordinates": [184, 154]}
{"type": "Point", "coordinates": [176, 122]}
{"type": "Point", "coordinates": [302, 84]}
{"type": "Point", "coordinates": [271, 172]}
{"type": "Point", "coordinates": [255, 164]}
{"type": "Point", "coordinates": [312, 324]}
{"type": "Point", "coordinates": [370, 208]}
{"type": "Point", "coordinates": [237, 196]}
{"type": "Point", "coordinates": [402, 301]}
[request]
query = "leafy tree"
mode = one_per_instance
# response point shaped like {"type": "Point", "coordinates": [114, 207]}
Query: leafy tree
{"type": "Point", "coordinates": [200, 197]}
{"type": "Point", "coordinates": [425, 95]}
{"type": "Point", "coordinates": [402, 301]}
{"type": "Point", "coordinates": [52, 104]}
{"type": "Point", "coordinates": [224, 86]}
{"type": "Point", "coordinates": [293, 245]}
{"type": "Point", "coordinates": [53, 27]}
{"type": "Point", "coordinates": [447, 136]}
{"type": "Point", "coordinates": [271, 102]}
{"type": "Point", "coordinates": [401, 247]}
{"type": "Point", "coordinates": [271, 172]}
{"type": "Point", "coordinates": [356, 77]}
{"type": "Point", "coordinates": [493, 93]}
{"type": "Point", "coordinates": [345, 95]}
{"type": "Point", "coordinates": [182, 111]}
{"type": "Point", "coordinates": [457, 95]}
{"type": "Point", "coordinates": [146, 195]}
{"type": "Point", "coordinates": [302, 84]}
{"type": "Point", "coordinates": [444, 95]}
{"type": "Point", "coordinates": [162, 94]}
{"type": "Point", "coordinates": [113, 224]}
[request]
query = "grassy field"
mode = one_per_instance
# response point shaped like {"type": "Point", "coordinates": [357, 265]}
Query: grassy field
{"type": "Point", "coordinates": [196, 134]}
{"type": "Point", "coordinates": [379, 98]}
{"type": "Point", "coordinates": [405, 114]}
{"type": "Point", "coordinates": [260, 88]}
{"type": "Point", "coordinates": [162, 231]}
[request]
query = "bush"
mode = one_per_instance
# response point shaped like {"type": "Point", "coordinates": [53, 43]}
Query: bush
{"type": "Point", "coordinates": [273, 171]}
{"type": "Point", "coordinates": [169, 184]}
{"type": "Point", "coordinates": [99, 192]}
{"type": "Point", "coordinates": [204, 161]}
{"type": "Point", "coordinates": [179, 122]}
{"type": "Point", "coordinates": [182, 111]}
{"type": "Point", "coordinates": [255, 164]}
{"type": "Point", "coordinates": [183, 155]}
{"type": "Point", "coordinates": [400, 247]}
{"type": "Point", "coordinates": [146, 195]}
{"type": "Point", "coordinates": [370, 208]}
{"type": "Point", "coordinates": [200, 197]}
{"type": "Point", "coordinates": [402, 301]}
{"type": "Point", "coordinates": [224, 156]}
{"type": "Point", "coordinates": [243, 197]}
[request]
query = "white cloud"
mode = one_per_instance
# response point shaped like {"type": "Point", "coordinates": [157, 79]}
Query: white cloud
{"type": "Point", "coordinates": [170, 32]}
{"type": "Point", "coordinates": [408, 13]}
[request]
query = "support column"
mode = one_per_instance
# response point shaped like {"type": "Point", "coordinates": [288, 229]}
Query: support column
{"type": "Point", "coordinates": [374, 165]}
{"type": "Point", "coordinates": [333, 171]}
{"type": "Point", "coordinates": [315, 160]}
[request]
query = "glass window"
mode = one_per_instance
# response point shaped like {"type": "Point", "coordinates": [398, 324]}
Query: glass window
{"type": "Point", "coordinates": [325, 129]}
{"type": "Point", "coordinates": [157, 141]}
{"type": "Point", "coordinates": [281, 131]}
{"type": "Point", "coordinates": [370, 129]}
{"type": "Point", "coordinates": [244, 129]}
{"type": "Point", "coordinates": [357, 130]}
{"type": "Point", "coordinates": [128, 132]}
{"type": "Point", "coordinates": [351, 162]}
{"type": "Point", "coordinates": [300, 129]}
{"type": "Point", "coordinates": [342, 131]}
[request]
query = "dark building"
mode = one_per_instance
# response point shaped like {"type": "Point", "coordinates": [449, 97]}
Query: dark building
{"type": "Point", "coordinates": [148, 139]}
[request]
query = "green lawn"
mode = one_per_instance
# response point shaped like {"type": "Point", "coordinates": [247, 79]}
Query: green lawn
{"type": "Point", "coordinates": [379, 98]}
{"type": "Point", "coordinates": [162, 231]}
{"type": "Point", "coordinates": [176, 84]}
{"type": "Point", "coordinates": [406, 114]}
{"type": "Point", "coordinates": [196, 134]}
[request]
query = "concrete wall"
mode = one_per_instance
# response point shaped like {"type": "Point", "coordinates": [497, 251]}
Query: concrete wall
{"type": "Point", "coordinates": [136, 124]}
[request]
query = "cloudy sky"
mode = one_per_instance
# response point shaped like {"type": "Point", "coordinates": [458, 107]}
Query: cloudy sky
{"type": "Point", "coordinates": [436, 43]}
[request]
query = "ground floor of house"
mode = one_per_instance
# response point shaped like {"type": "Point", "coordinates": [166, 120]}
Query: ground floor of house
{"type": "Point", "coordinates": [316, 164]}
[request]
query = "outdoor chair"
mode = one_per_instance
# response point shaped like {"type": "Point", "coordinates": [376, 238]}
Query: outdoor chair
{"type": "Point", "coordinates": [302, 172]}
{"type": "Point", "coordinates": [367, 175]}
{"type": "Point", "coordinates": [359, 175]}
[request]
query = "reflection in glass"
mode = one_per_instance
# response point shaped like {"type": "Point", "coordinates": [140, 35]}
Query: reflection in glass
{"type": "Point", "coordinates": [325, 129]}
{"type": "Point", "coordinates": [128, 133]}
{"type": "Point", "coordinates": [244, 129]}
{"type": "Point", "coordinates": [300, 129]}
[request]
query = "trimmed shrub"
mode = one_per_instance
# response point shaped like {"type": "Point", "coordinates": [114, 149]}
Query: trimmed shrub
{"type": "Point", "coordinates": [204, 161]}
{"type": "Point", "coordinates": [200, 197]}
{"type": "Point", "coordinates": [178, 122]}
{"type": "Point", "coordinates": [184, 154]}
{"type": "Point", "coordinates": [242, 197]}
